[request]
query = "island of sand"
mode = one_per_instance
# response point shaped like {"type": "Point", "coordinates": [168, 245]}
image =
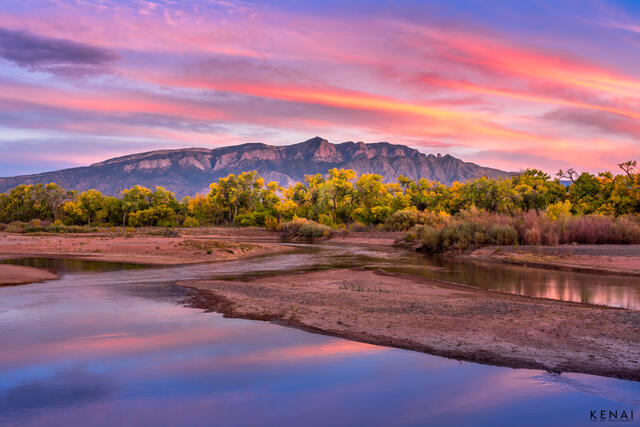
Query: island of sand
{"type": "Point", "coordinates": [189, 246]}
{"type": "Point", "coordinates": [21, 275]}
{"type": "Point", "coordinates": [186, 247]}
{"type": "Point", "coordinates": [437, 317]}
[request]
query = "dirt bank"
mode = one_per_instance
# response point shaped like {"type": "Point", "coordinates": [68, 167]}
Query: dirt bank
{"type": "Point", "coordinates": [20, 275]}
{"type": "Point", "coordinates": [600, 259]}
{"type": "Point", "coordinates": [439, 318]}
{"type": "Point", "coordinates": [182, 247]}
{"type": "Point", "coordinates": [379, 238]}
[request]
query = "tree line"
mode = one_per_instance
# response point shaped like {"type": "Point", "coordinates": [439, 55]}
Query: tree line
{"type": "Point", "coordinates": [337, 199]}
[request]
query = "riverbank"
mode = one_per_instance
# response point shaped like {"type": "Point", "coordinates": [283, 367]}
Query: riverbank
{"type": "Point", "coordinates": [436, 317]}
{"type": "Point", "coordinates": [186, 246]}
{"type": "Point", "coordinates": [599, 259]}
{"type": "Point", "coordinates": [21, 275]}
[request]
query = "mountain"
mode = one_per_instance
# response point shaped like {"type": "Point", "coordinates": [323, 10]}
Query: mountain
{"type": "Point", "coordinates": [191, 170]}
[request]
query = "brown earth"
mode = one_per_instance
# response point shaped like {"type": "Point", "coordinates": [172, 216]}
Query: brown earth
{"type": "Point", "coordinates": [437, 317]}
{"type": "Point", "coordinates": [599, 259]}
{"type": "Point", "coordinates": [379, 238]}
{"type": "Point", "coordinates": [20, 275]}
{"type": "Point", "coordinates": [187, 246]}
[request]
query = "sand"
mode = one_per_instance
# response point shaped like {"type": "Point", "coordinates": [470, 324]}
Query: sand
{"type": "Point", "coordinates": [20, 275]}
{"type": "Point", "coordinates": [439, 318]}
{"type": "Point", "coordinates": [599, 259]}
{"type": "Point", "coordinates": [188, 247]}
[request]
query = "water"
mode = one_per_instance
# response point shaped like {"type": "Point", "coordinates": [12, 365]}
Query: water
{"type": "Point", "coordinates": [116, 347]}
{"type": "Point", "coordinates": [599, 289]}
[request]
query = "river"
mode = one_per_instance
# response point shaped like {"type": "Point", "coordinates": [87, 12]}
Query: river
{"type": "Point", "coordinates": [111, 344]}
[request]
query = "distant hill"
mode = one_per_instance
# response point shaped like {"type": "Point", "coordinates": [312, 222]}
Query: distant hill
{"type": "Point", "coordinates": [189, 171]}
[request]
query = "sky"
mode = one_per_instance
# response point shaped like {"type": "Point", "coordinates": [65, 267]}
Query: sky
{"type": "Point", "coordinates": [507, 84]}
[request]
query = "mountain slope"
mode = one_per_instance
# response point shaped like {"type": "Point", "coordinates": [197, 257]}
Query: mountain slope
{"type": "Point", "coordinates": [190, 171]}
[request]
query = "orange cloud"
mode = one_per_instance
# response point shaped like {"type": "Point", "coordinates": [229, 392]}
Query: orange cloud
{"type": "Point", "coordinates": [506, 93]}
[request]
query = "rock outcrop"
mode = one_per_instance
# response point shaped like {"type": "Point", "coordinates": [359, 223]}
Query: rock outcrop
{"type": "Point", "coordinates": [189, 171]}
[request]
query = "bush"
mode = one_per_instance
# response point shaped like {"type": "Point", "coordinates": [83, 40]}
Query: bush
{"type": "Point", "coordinates": [272, 224]}
{"type": "Point", "coordinates": [190, 222]}
{"type": "Point", "coordinates": [39, 227]}
{"type": "Point", "coordinates": [358, 227]}
{"type": "Point", "coordinates": [405, 219]}
{"type": "Point", "coordinates": [253, 219]}
{"type": "Point", "coordinates": [501, 235]}
{"type": "Point", "coordinates": [327, 220]}
{"type": "Point", "coordinates": [477, 228]}
{"type": "Point", "coordinates": [429, 238]}
{"type": "Point", "coordinates": [532, 236]}
{"type": "Point", "coordinates": [304, 229]}
{"type": "Point", "coordinates": [15, 227]}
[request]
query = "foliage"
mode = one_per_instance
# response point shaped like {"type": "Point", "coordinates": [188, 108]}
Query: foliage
{"type": "Point", "coordinates": [471, 229]}
{"type": "Point", "coordinates": [190, 222]}
{"type": "Point", "coordinates": [304, 229]}
{"type": "Point", "coordinates": [542, 210]}
{"type": "Point", "coordinates": [405, 219]}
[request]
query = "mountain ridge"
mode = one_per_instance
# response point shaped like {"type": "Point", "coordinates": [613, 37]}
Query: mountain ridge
{"type": "Point", "coordinates": [188, 171]}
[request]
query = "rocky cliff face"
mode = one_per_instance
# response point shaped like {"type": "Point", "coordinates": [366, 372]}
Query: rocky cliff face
{"type": "Point", "coordinates": [189, 171]}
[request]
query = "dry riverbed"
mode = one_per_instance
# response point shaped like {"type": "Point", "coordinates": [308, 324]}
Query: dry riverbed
{"type": "Point", "coordinates": [439, 318]}
{"type": "Point", "coordinates": [599, 259]}
{"type": "Point", "coordinates": [183, 247]}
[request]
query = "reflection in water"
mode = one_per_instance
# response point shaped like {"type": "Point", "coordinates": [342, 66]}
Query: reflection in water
{"type": "Point", "coordinates": [600, 289]}
{"type": "Point", "coordinates": [609, 290]}
{"type": "Point", "coordinates": [68, 265]}
{"type": "Point", "coordinates": [117, 348]}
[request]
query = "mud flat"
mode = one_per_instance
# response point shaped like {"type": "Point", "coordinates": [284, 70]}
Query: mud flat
{"type": "Point", "coordinates": [192, 246]}
{"type": "Point", "coordinates": [598, 259]}
{"type": "Point", "coordinates": [20, 275]}
{"type": "Point", "coordinates": [436, 317]}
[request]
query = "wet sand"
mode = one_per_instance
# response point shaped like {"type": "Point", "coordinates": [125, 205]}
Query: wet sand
{"type": "Point", "coordinates": [598, 259]}
{"type": "Point", "coordinates": [187, 247]}
{"type": "Point", "coordinates": [20, 275]}
{"type": "Point", "coordinates": [440, 318]}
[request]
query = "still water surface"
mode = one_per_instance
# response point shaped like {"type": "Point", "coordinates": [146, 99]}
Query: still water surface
{"type": "Point", "coordinates": [106, 346]}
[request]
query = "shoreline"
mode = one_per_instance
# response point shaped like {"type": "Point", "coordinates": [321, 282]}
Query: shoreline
{"type": "Point", "coordinates": [189, 247]}
{"type": "Point", "coordinates": [15, 275]}
{"type": "Point", "coordinates": [435, 317]}
{"type": "Point", "coordinates": [592, 259]}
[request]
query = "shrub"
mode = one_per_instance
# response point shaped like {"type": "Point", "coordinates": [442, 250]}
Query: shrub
{"type": "Point", "coordinates": [271, 224]}
{"type": "Point", "coordinates": [304, 229]}
{"type": "Point", "coordinates": [532, 236]}
{"type": "Point", "coordinates": [357, 227]}
{"type": "Point", "coordinates": [38, 227]}
{"type": "Point", "coordinates": [15, 227]}
{"type": "Point", "coordinates": [559, 210]}
{"type": "Point", "coordinates": [477, 228]}
{"type": "Point", "coordinates": [190, 222]}
{"type": "Point", "coordinates": [501, 235]}
{"type": "Point", "coordinates": [428, 236]}
{"type": "Point", "coordinates": [327, 220]}
{"type": "Point", "coordinates": [405, 219]}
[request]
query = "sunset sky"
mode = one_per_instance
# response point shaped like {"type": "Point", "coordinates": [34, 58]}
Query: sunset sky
{"type": "Point", "coordinates": [507, 84]}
